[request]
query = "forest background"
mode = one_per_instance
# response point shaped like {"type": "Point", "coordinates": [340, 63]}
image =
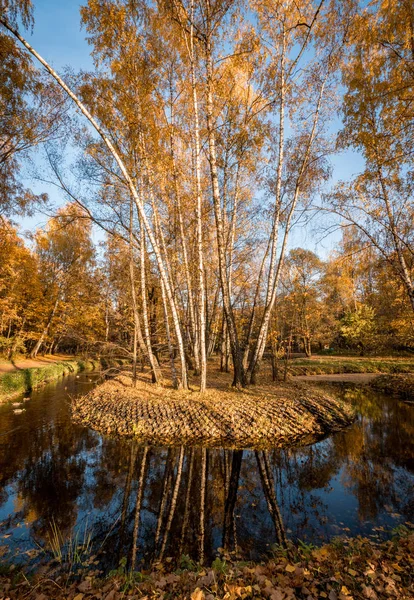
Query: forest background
{"type": "Point", "coordinates": [206, 141]}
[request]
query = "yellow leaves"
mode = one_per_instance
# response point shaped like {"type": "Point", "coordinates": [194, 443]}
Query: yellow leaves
{"type": "Point", "coordinates": [290, 568]}
{"type": "Point", "coordinates": [234, 591]}
{"type": "Point", "coordinates": [198, 594]}
{"type": "Point", "coordinates": [321, 553]}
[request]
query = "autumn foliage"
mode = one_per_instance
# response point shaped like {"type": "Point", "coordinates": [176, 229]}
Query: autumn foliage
{"type": "Point", "coordinates": [198, 145]}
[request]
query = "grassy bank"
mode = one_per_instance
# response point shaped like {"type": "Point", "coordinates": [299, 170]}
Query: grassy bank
{"type": "Point", "coordinates": [346, 569]}
{"type": "Point", "coordinates": [19, 382]}
{"type": "Point", "coordinates": [401, 385]}
{"type": "Point", "coordinates": [331, 365]}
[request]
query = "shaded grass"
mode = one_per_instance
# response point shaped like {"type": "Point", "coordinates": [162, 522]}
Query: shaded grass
{"type": "Point", "coordinates": [400, 385]}
{"type": "Point", "coordinates": [332, 366]}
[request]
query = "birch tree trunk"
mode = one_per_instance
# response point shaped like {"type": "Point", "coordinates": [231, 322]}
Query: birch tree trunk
{"type": "Point", "coordinates": [199, 217]}
{"type": "Point", "coordinates": [128, 180]}
{"type": "Point", "coordinates": [45, 331]}
{"type": "Point", "coordinates": [155, 368]}
{"type": "Point", "coordinates": [239, 374]}
{"type": "Point", "coordinates": [272, 285]}
{"type": "Point", "coordinates": [138, 338]}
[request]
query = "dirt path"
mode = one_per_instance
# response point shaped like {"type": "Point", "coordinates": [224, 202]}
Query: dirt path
{"type": "Point", "coordinates": [7, 366]}
{"type": "Point", "coordinates": [345, 377]}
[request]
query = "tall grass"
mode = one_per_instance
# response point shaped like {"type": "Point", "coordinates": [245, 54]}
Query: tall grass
{"type": "Point", "coordinates": [72, 550]}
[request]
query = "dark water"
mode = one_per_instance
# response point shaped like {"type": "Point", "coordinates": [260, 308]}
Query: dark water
{"type": "Point", "coordinates": [57, 478]}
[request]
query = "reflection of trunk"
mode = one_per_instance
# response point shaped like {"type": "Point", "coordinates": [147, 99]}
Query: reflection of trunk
{"type": "Point", "coordinates": [125, 502]}
{"type": "Point", "coordinates": [269, 492]}
{"type": "Point", "coordinates": [138, 503]}
{"type": "Point", "coordinates": [173, 502]}
{"type": "Point", "coordinates": [187, 501]}
{"type": "Point", "coordinates": [45, 331]}
{"type": "Point", "coordinates": [226, 472]}
{"type": "Point", "coordinates": [203, 482]}
{"type": "Point", "coordinates": [165, 491]}
{"type": "Point", "coordinates": [229, 521]}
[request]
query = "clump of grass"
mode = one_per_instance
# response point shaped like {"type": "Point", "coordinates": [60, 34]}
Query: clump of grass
{"type": "Point", "coordinates": [72, 550]}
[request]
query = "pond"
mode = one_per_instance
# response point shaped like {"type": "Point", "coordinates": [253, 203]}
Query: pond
{"type": "Point", "coordinates": [63, 486]}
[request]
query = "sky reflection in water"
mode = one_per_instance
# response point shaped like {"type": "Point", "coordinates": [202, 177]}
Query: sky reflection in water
{"type": "Point", "coordinates": [55, 473]}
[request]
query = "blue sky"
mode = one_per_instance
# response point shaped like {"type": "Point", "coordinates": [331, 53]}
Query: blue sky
{"type": "Point", "coordinates": [57, 35]}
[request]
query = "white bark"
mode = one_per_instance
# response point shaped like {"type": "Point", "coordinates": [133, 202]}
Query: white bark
{"type": "Point", "coordinates": [127, 177]}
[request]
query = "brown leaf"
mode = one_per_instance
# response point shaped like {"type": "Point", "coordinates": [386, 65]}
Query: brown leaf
{"type": "Point", "coordinates": [85, 586]}
{"type": "Point", "coordinates": [369, 592]}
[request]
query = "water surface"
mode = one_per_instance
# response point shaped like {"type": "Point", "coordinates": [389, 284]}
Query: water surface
{"type": "Point", "coordinates": [58, 478]}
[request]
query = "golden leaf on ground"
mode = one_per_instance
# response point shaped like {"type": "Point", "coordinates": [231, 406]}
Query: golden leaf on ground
{"type": "Point", "coordinates": [197, 594]}
{"type": "Point", "coordinates": [321, 553]}
{"type": "Point", "coordinates": [236, 591]}
{"type": "Point", "coordinates": [290, 568]}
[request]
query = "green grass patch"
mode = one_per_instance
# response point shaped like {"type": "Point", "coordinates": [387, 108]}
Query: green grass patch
{"type": "Point", "coordinates": [24, 380]}
{"type": "Point", "coordinates": [330, 366]}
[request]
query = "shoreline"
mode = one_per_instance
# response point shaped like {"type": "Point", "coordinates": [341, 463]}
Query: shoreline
{"type": "Point", "coordinates": [14, 383]}
{"type": "Point", "coordinates": [344, 569]}
{"type": "Point", "coordinates": [260, 416]}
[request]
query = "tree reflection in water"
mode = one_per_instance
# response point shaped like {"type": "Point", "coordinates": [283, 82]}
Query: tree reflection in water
{"type": "Point", "coordinates": [150, 502]}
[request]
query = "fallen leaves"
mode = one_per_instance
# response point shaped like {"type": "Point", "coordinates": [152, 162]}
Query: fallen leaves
{"type": "Point", "coordinates": [198, 595]}
{"type": "Point", "coordinates": [383, 570]}
{"type": "Point", "coordinates": [119, 408]}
